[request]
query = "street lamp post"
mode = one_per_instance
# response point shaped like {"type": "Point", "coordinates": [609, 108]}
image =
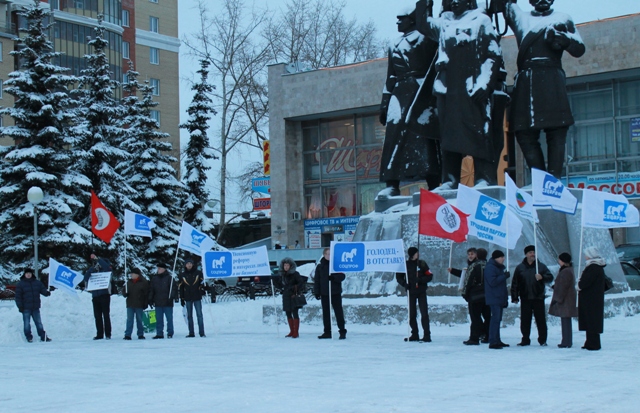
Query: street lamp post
{"type": "Point", "coordinates": [35, 196]}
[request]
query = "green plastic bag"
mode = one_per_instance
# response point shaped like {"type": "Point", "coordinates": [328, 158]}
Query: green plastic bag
{"type": "Point", "coordinates": [149, 321]}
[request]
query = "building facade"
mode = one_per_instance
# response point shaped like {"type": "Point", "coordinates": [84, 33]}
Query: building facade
{"type": "Point", "coordinates": [326, 140]}
{"type": "Point", "coordinates": [143, 31]}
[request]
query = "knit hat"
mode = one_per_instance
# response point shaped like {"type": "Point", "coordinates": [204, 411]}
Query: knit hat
{"type": "Point", "coordinates": [136, 271]}
{"type": "Point", "coordinates": [529, 248]}
{"type": "Point", "coordinates": [592, 252]}
{"type": "Point", "coordinates": [162, 265]}
{"type": "Point", "coordinates": [497, 254]}
{"type": "Point", "coordinates": [565, 257]}
{"type": "Point", "coordinates": [28, 270]}
{"type": "Point", "coordinates": [412, 251]}
{"type": "Point", "coordinates": [189, 260]}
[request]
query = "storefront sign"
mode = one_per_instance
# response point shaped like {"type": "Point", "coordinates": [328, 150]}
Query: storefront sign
{"type": "Point", "coordinates": [634, 129]}
{"type": "Point", "coordinates": [262, 185]}
{"type": "Point", "coordinates": [627, 184]}
{"type": "Point", "coordinates": [261, 204]}
{"type": "Point", "coordinates": [367, 162]}
{"type": "Point", "coordinates": [342, 228]}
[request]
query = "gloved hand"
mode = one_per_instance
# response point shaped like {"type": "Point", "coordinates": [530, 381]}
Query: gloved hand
{"type": "Point", "coordinates": [507, 274]}
{"type": "Point", "coordinates": [46, 293]}
{"type": "Point", "coordinates": [20, 309]}
{"type": "Point", "coordinates": [331, 278]}
{"type": "Point", "coordinates": [182, 302]}
{"type": "Point", "coordinates": [125, 294]}
{"type": "Point", "coordinates": [317, 297]}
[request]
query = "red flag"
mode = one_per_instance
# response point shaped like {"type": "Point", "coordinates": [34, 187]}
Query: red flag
{"type": "Point", "coordinates": [438, 218]}
{"type": "Point", "coordinates": [103, 223]}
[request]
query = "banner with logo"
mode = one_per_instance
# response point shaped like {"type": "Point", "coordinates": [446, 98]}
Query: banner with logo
{"type": "Point", "coordinates": [236, 263]}
{"type": "Point", "coordinates": [378, 256]}
{"type": "Point", "coordinates": [488, 218]}
{"type": "Point", "coordinates": [549, 191]}
{"type": "Point", "coordinates": [519, 201]}
{"type": "Point", "coordinates": [438, 218]}
{"type": "Point", "coordinates": [103, 223]}
{"type": "Point", "coordinates": [193, 240]}
{"type": "Point", "coordinates": [605, 210]}
{"type": "Point", "coordinates": [137, 224]}
{"type": "Point", "coordinates": [63, 277]}
{"type": "Point", "coordinates": [99, 281]}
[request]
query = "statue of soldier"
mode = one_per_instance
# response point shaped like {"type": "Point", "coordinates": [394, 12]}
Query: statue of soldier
{"type": "Point", "coordinates": [539, 99]}
{"type": "Point", "coordinates": [411, 149]}
{"type": "Point", "coordinates": [468, 72]}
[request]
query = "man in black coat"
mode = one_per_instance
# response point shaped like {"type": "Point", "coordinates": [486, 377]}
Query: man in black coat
{"type": "Point", "coordinates": [137, 294]}
{"type": "Point", "coordinates": [191, 291]}
{"type": "Point", "coordinates": [28, 293]}
{"type": "Point", "coordinates": [496, 296]}
{"type": "Point", "coordinates": [101, 299]}
{"type": "Point", "coordinates": [527, 286]}
{"type": "Point", "coordinates": [415, 282]}
{"type": "Point", "coordinates": [328, 287]}
{"type": "Point", "coordinates": [540, 100]}
{"type": "Point", "coordinates": [162, 293]}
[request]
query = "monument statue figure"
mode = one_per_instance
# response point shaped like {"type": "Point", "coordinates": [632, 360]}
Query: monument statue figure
{"type": "Point", "coordinates": [539, 99]}
{"type": "Point", "coordinates": [411, 150]}
{"type": "Point", "coordinates": [468, 72]}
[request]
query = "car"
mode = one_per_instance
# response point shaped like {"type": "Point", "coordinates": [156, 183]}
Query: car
{"type": "Point", "coordinates": [260, 284]}
{"type": "Point", "coordinates": [629, 253]}
{"type": "Point", "coordinates": [632, 274]}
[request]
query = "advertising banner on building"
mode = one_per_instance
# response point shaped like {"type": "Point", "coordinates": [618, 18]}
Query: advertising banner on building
{"type": "Point", "coordinates": [374, 256]}
{"type": "Point", "coordinates": [634, 129]}
{"type": "Point", "coordinates": [342, 228]}
{"type": "Point", "coordinates": [262, 185]}
{"type": "Point", "coordinates": [627, 184]}
{"type": "Point", "coordinates": [237, 263]}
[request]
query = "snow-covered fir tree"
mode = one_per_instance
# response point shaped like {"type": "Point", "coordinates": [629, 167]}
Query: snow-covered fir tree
{"type": "Point", "coordinates": [198, 154]}
{"type": "Point", "coordinates": [40, 156]}
{"type": "Point", "coordinates": [151, 175]}
{"type": "Point", "coordinates": [98, 151]}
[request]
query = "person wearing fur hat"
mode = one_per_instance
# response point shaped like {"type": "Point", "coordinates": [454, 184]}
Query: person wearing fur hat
{"type": "Point", "coordinates": [527, 286]}
{"type": "Point", "coordinates": [415, 281]}
{"type": "Point", "coordinates": [591, 298]}
{"type": "Point", "coordinates": [563, 301]}
{"type": "Point", "coordinates": [162, 292]}
{"type": "Point", "coordinates": [136, 293]}
{"type": "Point", "coordinates": [28, 293]}
{"type": "Point", "coordinates": [191, 291]}
{"type": "Point", "coordinates": [496, 295]}
{"type": "Point", "coordinates": [292, 283]}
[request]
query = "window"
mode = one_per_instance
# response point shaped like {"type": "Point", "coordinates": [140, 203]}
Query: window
{"type": "Point", "coordinates": [125, 78]}
{"type": "Point", "coordinates": [153, 1]}
{"type": "Point", "coordinates": [155, 115]}
{"type": "Point", "coordinates": [154, 55]}
{"type": "Point", "coordinates": [155, 84]}
{"type": "Point", "coordinates": [79, 4]}
{"type": "Point", "coordinates": [153, 24]}
{"type": "Point", "coordinates": [125, 18]}
{"type": "Point", "coordinates": [1, 88]}
{"type": "Point", "coordinates": [125, 50]}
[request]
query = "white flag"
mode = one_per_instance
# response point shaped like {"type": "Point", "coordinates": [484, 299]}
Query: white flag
{"type": "Point", "coordinates": [63, 277]}
{"type": "Point", "coordinates": [488, 218]}
{"type": "Point", "coordinates": [549, 191]}
{"type": "Point", "coordinates": [519, 201]}
{"type": "Point", "coordinates": [382, 256]}
{"type": "Point", "coordinates": [606, 210]}
{"type": "Point", "coordinates": [137, 224]}
{"type": "Point", "coordinates": [194, 241]}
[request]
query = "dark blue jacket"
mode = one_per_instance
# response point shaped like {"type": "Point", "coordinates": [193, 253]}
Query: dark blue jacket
{"type": "Point", "coordinates": [495, 284]}
{"type": "Point", "coordinates": [103, 265]}
{"type": "Point", "coordinates": [28, 293]}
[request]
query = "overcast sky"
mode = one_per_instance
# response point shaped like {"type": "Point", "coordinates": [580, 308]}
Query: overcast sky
{"type": "Point", "coordinates": [383, 14]}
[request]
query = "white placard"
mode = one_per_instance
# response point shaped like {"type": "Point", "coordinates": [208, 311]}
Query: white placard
{"type": "Point", "coordinates": [236, 263]}
{"type": "Point", "coordinates": [99, 281]}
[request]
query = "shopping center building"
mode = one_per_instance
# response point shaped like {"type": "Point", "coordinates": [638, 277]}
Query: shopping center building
{"type": "Point", "coordinates": [326, 139]}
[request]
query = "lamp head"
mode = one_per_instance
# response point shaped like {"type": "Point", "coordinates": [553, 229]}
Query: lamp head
{"type": "Point", "coordinates": [35, 195]}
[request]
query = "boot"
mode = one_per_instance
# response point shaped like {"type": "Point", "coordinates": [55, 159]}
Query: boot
{"type": "Point", "coordinates": [290, 321]}
{"type": "Point", "coordinates": [296, 327]}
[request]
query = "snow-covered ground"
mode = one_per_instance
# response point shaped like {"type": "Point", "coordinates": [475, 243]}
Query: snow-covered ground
{"type": "Point", "coordinates": [244, 365]}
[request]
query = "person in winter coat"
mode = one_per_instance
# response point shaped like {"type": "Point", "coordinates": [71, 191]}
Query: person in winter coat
{"type": "Point", "coordinates": [162, 293]}
{"type": "Point", "coordinates": [563, 301]}
{"type": "Point", "coordinates": [191, 290]}
{"type": "Point", "coordinates": [292, 283]}
{"type": "Point", "coordinates": [591, 298]}
{"type": "Point", "coordinates": [327, 287]}
{"type": "Point", "coordinates": [415, 282]}
{"type": "Point", "coordinates": [496, 295]}
{"type": "Point", "coordinates": [28, 293]}
{"type": "Point", "coordinates": [101, 299]}
{"type": "Point", "coordinates": [137, 293]}
{"type": "Point", "coordinates": [527, 286]}
{"type": "Point", "coordinates": [473, 293]}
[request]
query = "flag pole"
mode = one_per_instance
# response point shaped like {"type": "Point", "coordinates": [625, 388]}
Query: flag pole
{"type": "Point", "coordinates": [330, 315]}
{"type": "Point", "coordinates": [275, 308]}
{"type": "Point", "coordinates": [535, 244]}
{"type": "Point", "coordinates": [580, 252]}
{"type": "Point", "coordinates": [125, 261]}
{"type": "Point", "coordinates": [450, 257]}
{"type": "Point", "coordinates": [406, 277]}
